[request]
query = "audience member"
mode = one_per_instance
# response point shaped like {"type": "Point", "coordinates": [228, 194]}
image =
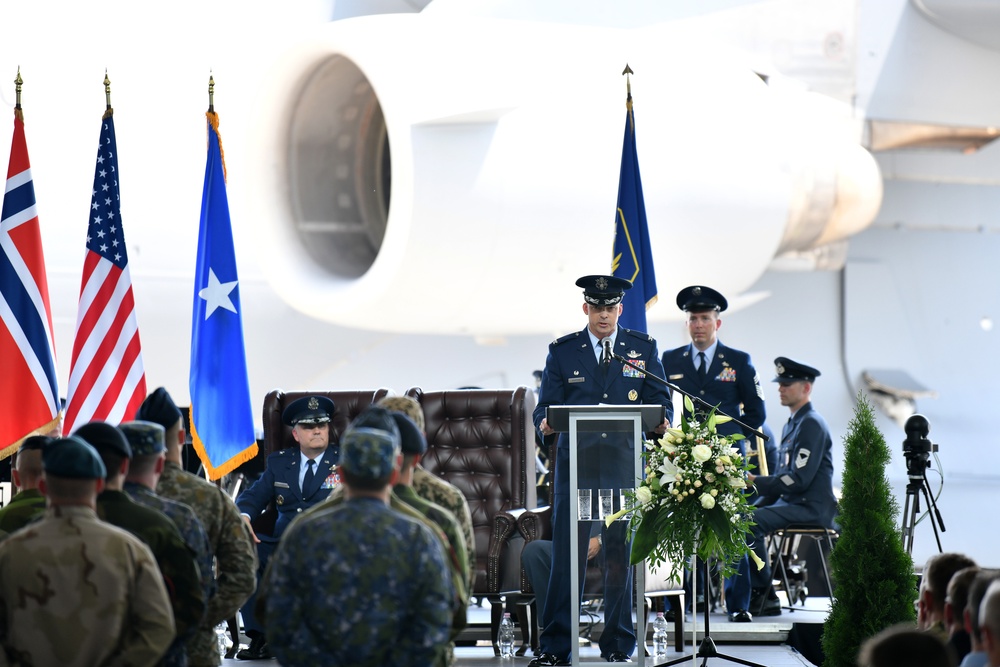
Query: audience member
{"type": "Point", "coordinates": [959, 639]}
{"type": "Point", "coordinates": [977, 657]}
{"type": "Point", "coordinates": [357, 583]}
{"type": "Point", "coordinates": [228, 535]}
{"type": "Point", "coordinates": [434, 489]}
{"type": "Point", "coordinates": [178, 564]}
{"type": "Point", "coordinates": [75, 591]}
{"type": "Point", "coordinates": [26, 472]}
{"type": "Point", "coordinates": [989, 622]}
{"type": "Point", "coordinates": [938, 571]}
{"type": "Point", "coordinates": [904, 646]}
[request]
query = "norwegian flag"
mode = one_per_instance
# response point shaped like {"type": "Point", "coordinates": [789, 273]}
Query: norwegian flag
{"type": "Point", "coordinates": [29, 391]}
{"type": "Point", "coordinates": [106, 378]}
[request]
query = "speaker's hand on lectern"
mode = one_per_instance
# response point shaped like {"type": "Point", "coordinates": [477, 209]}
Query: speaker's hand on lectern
{"type": "Point", "coordinates": [544, 429]}
{"type": "Point", "coordinates": [662, 428]}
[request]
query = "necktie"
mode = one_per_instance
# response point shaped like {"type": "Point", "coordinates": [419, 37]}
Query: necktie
{"type": "Point", "coordinates": [307, 480]}
{"type": "Point", "coordinates": [703, 368]}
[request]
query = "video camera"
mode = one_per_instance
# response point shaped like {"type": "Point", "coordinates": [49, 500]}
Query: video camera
{"type": "Point", "coordinates": [917, 447]}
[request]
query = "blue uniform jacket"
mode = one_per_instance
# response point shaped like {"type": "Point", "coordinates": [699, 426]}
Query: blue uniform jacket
{"type": "Point", "coordinates": [804, 474]}
{"type": "Point", "coordinates": [573, 376]}
{"type": "Point", "coordinates": [280, 483]}
{"type": "Point", "coordinates": [731, 382]}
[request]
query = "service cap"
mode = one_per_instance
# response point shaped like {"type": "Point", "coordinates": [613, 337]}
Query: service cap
{"type": "Point", "coordinates": [788, 370]}
{"type": "Point", "coordinates": [72, 457]}
{"type": "Point", "coordinates": [603, 290]}
{"type": "Point", "coordinates": [309, 410]}
{"type": "Point", "coordinates": [698, 299]}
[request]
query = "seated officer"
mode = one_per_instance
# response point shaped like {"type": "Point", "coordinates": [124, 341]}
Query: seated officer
{"type": "Point", "coordinates": [294, 480]}
{"type": "Point", "coordinates": [800, 489]}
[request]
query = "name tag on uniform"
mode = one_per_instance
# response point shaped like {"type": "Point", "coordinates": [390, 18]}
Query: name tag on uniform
{"type": "Point", "coordinates": [679, 376]}
{"type": "Point", "coordinates": [575, 380]}
{"type": "Point", "coordinates": [281, 485]}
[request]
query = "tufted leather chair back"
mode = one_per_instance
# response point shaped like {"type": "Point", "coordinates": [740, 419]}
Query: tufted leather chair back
{"type": "Point", "coordinates": [482, 441]}
{"type": "Point", "coordinates": [348, 405]}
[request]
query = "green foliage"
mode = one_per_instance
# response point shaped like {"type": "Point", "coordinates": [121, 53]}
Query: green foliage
{"type": "Point", "coordinates": [875, 580]}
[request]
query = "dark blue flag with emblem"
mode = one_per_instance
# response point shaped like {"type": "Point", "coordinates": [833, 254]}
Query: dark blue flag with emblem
{"type": "Point", "coordinates": [222, 427]}
{"type": "Point", "coordinates": [632, 258]}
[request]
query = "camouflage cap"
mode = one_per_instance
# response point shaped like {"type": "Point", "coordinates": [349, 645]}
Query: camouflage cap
{"type": "Point", "coordinates": [72, 457]}
{"type": "Point", "coordinates": [144, 437]}
{"type": "Point", "coordinates": [369, 453]}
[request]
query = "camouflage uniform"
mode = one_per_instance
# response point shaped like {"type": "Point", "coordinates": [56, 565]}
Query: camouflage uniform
{"type": "Point", "coordinates": [236, 558]}
{"type": "Point", "coordinates": [21, 509]}
{"type": "Point", "coordinates": [89, 594]}
{"type": "Point", "coordinates": [431, 487]}
{"type": "Point", "coordinates": [357, 584]}
{"type": "Point", "coordinates": [177, 562]}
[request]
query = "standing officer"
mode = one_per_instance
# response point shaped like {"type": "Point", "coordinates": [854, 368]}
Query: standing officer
{"type": "Point", "coordinates": [294, 480]}
{"type": "Point", "coordinates": [800, 490]}
{"type": "Point", "coordinates": [721, 376]}
{"type": "Point", "coordinates": [575, 375]}
{"type": "Point", "coordinates": [74, 590]}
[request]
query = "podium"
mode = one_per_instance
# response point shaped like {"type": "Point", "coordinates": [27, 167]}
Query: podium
{"type": "Point", "coordinates": [604, 439]}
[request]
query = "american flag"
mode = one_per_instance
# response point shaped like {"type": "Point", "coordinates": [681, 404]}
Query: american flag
{"type": "Point", "coordinates": [29, 392]}
{"type": "Point", "coordinates": [106, 378]}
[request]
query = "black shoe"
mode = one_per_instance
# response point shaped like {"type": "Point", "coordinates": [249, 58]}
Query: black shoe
{"type": "Point", "coordinates": [618, 656]}
{"type": "Point", "coordinates": [769, 607]}
{"type": "Point", "coordinates": [740, 616]}
{"type": "Point", "coordinates": [258, 650]}
{"type": "Point", "coordinates": [545, 660]}
{"type": "Point", "coordinates": [670, 616]}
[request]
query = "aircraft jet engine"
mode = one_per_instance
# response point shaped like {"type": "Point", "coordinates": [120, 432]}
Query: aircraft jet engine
{"type": "Point", "coordinates": [433, 174]}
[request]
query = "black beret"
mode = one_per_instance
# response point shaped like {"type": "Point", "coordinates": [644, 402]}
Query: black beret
{"type": "Point", "coordinates": [317, 409]}
{"type": "Point", "coordinates": [698, 298]}
{"type": "Point", "coordinates": [603, 290]}
{"type": "Point", "coordinates": [411, 440]}
{"type": "Point", "coordinates": [144, 437]}
{"type": "Point", "coordinates": [160, 409]}
{"type": "Point", "coordinates": [105, 437]}
{"type": "Point", "coordinates": [788, 370]}
{"type": "Point", "coordinates": [72, 457]}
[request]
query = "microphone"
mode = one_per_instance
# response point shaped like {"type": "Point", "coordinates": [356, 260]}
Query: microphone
{"type": "Point", "coordinates": [606, 356]}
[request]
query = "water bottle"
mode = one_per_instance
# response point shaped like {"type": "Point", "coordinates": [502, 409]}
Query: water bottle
{"type": "Point", "coordinates": [506, 636]}
{"type": "Point", "coordinates": [659, 635]}
{"type": "Point", "coordinates": [222, 642]}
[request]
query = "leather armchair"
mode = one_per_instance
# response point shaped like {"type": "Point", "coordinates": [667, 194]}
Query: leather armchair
{"type": "Point", "coordinates": [482, 441]}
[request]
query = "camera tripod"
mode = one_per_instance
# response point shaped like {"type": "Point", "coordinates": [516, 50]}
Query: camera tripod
{"type": "Point", "coordinates": [918, 485]}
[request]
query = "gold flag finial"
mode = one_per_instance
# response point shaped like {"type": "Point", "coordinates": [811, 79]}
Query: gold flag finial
{"type": "Point", "coordinates": [17, 88]}
{"type": "Point", "coordinates": [107, 95]}
{"type": "Point", "coordinates": [211, 93]}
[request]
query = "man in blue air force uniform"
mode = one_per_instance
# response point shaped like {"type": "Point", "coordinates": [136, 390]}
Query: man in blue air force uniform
{"type": "Point", "coordinates": [574, 375]}
{"type": "Point", "coordinates": [295, 480]}
{"type": "Point", "coordinates": [721, 376]}
{"type": "Point", "coordinates": [800, 489]}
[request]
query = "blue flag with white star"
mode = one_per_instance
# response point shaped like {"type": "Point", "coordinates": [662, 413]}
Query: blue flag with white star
{"type": "Point", "coordinates": [632, 257]}
{"type": "Point", "coordinates": [222, 426]}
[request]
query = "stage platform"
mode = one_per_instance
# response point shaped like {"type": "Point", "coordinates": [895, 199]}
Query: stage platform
{"type": "Point", "coordinates": [769, 641]}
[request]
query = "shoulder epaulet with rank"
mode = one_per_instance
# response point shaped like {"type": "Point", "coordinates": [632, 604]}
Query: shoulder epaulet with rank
{"type": "Point", "coordinates": [565, 338]}
{"type": "Point", "coordinates": [638, 334]}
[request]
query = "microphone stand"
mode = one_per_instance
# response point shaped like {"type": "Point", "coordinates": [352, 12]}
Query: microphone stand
{"type": "Point", "coordinates": [673, 387]}
{"type": "Point", "coordinates": [707, 648]}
